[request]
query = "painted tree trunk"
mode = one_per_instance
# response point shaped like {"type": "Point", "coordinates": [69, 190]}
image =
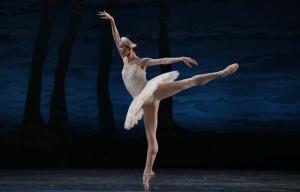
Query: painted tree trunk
{"type": "Point", "coordinates": [58, 117]}
{"type": "Point", "coordinates": [165, 115]}
{"type": "Point", "coordinates": [32, 123]}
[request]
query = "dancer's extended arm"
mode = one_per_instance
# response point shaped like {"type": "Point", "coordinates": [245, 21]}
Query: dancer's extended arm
{"type": "Point", "coordinates": [168, 60]}
{"type": "Point", "coordinates": [114, 29]}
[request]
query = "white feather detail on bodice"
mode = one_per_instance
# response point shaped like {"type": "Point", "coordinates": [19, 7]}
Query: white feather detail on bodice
{"type": "Point", "coordinates": [134, 78]}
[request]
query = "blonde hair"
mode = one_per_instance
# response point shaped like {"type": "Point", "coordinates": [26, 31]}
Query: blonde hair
{"type": "Point", "coordinates": [128, 42]}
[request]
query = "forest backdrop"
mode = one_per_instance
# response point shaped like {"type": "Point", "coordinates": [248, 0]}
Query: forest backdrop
{"type": "Point", "coordinates": [60, 73]}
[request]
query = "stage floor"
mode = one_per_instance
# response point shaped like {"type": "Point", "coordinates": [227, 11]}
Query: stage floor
{"type": "Point", "coordinates": [76, 180]}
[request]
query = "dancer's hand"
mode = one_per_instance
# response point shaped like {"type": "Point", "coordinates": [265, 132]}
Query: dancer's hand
{"type": "Point", "coordinates": [188, 61]}
{"type": "Point", "coordinates": [105, 16]}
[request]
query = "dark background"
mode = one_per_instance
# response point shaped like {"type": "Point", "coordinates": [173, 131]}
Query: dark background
{"type": "Point", "coordinates": [248, 120]}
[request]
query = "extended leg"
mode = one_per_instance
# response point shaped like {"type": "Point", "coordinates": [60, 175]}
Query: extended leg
{"type": "Point", "coordinates": [165, 90]}
{"type": "Point", "coordinates": [150, 122]}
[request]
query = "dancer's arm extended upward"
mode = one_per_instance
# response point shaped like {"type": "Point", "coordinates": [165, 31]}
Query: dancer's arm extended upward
{"type": "Point", "coordinates": [168, 60]}
{"type": "Point", "coordinates": [114, 29]}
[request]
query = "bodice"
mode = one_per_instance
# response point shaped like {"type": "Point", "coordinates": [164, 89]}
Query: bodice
{"type": "Point", "coordinates": [134, 78]}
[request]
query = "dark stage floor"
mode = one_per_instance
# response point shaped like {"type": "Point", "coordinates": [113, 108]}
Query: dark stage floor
{"type": "Point", "coordinates": [165, 180]}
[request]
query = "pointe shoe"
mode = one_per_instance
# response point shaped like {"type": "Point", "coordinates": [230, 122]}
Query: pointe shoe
{"type": "Point", "coordinates": [146, 180]}
{"type": "Point", "coordinates": [230, 69]}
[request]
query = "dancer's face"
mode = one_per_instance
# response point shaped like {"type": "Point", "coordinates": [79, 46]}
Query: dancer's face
{"type": "Point", "coordinates": [124, 50]}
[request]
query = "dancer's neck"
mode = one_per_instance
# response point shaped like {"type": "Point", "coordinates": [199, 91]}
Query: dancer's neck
{"type": "Point", "coordinates": [131, 57]}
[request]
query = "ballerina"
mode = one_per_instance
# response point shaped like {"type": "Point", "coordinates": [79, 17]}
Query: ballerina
{"type": "Point", "coordinates": [148, 94]}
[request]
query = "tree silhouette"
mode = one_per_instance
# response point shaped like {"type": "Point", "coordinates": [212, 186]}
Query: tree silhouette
{"type": "Point", "coordinates": [58, 117]}
{"type": "Point", "coordinates": [107, 129]}
{"type": "Point", "coordinates": [165, 116]}
{"type": "Point", "coordinates": [32, 123]}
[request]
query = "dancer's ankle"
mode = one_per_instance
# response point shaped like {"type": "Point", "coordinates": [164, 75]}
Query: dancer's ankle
{"type": "Point", "coordinates": [148, 173]}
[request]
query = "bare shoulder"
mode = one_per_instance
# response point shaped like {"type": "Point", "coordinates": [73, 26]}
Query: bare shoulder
{"type": "Point", "coordinates": [150, 61]}
{"type": "Point", "coordinates": [143, 62]}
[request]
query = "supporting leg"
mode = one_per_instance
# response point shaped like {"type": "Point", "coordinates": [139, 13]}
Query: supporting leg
{"type": "Point", "coordinates": [150, 122]}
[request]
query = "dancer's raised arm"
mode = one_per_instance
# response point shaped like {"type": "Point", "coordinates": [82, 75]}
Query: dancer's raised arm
{"type": "Point", "coordinates": [114, 29]}
{"type": "Point", "coordinates": [168, 60]}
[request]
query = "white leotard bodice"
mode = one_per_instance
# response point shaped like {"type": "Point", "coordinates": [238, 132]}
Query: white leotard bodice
{"type": "Point", "coordinates": [142, 90]}
{"type": "Point", "coordinates": [133, 77]}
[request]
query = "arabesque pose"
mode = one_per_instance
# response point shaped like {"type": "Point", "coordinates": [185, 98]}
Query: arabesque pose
{"type": "Point", "coordinates": [147, 94]}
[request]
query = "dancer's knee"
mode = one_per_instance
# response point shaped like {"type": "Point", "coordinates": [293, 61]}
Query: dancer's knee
{"type": "Point", "coordinates": [154, 150]}
{"type": "Point", "coordinates": [190, 82]}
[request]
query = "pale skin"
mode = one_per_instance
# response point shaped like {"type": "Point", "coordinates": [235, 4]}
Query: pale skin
{"type": "Point", "coordinates": [163, 91]}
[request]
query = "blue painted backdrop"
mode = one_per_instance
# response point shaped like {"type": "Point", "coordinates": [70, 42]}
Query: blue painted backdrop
{"type": "Point", "coordinates": [262, 36]}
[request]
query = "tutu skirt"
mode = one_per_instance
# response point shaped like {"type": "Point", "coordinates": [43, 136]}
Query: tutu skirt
{"type": "Point", "coordinates": [146, 96]}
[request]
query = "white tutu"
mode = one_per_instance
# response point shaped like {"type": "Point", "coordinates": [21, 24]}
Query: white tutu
{"type": "Point", "coordinates": [135, 111]}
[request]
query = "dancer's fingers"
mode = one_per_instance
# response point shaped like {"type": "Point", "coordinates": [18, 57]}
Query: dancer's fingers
{"type": "Point", "coordinates": [187, 63]}
{"type": "Point", "coordinates": [190, 60]}
{"type": "Point", "coordinates": [194, 61]}
{"type": "Point", "coordinates": [102, 12]}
